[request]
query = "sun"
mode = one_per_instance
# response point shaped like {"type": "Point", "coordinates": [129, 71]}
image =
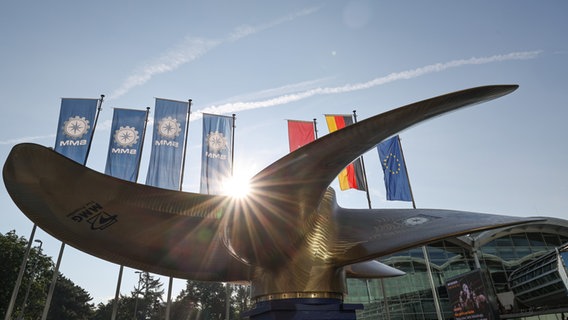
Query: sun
{"type": "Point", "coordinates": [237, 187]}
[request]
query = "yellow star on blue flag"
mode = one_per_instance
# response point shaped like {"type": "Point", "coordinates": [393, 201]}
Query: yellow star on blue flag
{"type": "Point", "coordinates": [394, 169]}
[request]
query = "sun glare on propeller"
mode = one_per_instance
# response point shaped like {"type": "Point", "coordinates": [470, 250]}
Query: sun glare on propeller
{"type": "Point", "coordinates": [237, 186]}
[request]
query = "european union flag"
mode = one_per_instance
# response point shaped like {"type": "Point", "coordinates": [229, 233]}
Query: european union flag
{"type": "Point", "coordinates": [168, 144]}
{"type": "Point", "coordinates": [396, 178]}
{"type": "Point", "coordinates": [216, 164]}
{"type": "Point", "coordinates": [75, 128]}
{"type": "Point", "coordinates": [125, 146]}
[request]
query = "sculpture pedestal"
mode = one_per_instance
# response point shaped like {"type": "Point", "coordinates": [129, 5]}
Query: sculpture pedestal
{"type": "Point", "coordinates": [300, 309]}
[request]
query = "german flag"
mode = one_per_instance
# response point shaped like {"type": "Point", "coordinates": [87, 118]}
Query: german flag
{"type": "Point", "coordinates": [352, 176]}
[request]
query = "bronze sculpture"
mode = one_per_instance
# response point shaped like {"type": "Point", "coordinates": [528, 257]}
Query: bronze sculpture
{"type": "Point", "coordinates": [288, 237]}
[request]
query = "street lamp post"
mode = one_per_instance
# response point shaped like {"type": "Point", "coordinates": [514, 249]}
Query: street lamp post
{"type": "Point", "coordinates": [137, 290]}
{"type": "Point", "coordinates": [32, 273]}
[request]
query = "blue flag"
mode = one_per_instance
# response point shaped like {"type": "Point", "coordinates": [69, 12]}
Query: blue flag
{"type": "Point", "coordinates": [168, 143]}
{"type": "Point", "coordinates": [216, 163]}
{"type": "Point", "coordinates": [75, 128]}
{"type": "Point", "coordinates": [125, 146]}
{"type": "Point", "coordinates": [396, 178]}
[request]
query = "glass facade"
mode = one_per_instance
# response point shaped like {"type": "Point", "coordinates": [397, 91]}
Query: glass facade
{"type": "Point", "coordinates": [543, 280]}
{"type": "Point", "coordinates": [410, 297]}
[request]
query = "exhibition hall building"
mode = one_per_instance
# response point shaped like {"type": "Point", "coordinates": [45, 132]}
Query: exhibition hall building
{"type": "Point", "coordinates": [514, 272]}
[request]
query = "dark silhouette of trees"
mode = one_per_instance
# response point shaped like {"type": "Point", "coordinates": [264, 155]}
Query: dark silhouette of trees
{"type": "Point", "coordinates": [207, 300]}
{"type": "Point", "coordinates": [69, 301]}
{"type": "Point", "coordinates": [198, 300]}
{"type": "Point", "coordinates": [148, 297]}
{"type": "Point", "coordinates": [144, 302]}
{"type": "Point", "coordinates": [125, 309]}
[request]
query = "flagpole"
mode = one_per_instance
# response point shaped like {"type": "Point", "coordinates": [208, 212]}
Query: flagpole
{"type": "Point", "coordinates": [366, 191]}
{"type": "Point", "coordinates": [227, 285]}
{"type": "Point", "coordinates": [315, 128]}
{"type": "Point", "coordinates": [233, 143]}
{"type": "Point", "coordinates": [121, 269]}
{"type": "Point", "coordinates": [169, 303]}
{"type": "Point", "coordinates": [386, 303]}
{"type": "Point", "coordinates": [99, 108]}
{"type": "Point", "coordinates": [117, 293]}
{"type": "Point", "coordinates": [185, 143]}
{"type": "Point", "coordinates": [171, 279]}
{"type": "Point", "coordinates": [142, 143]}
{"type": "Point", "coordinates": [60, 256]}
{"type": "Point", "coordinates": [363, 168]}
{"type": "Point", "coordinates": [424, 249]}
{"type": "Point", "coordinates": [53, 283]}
{"type": "Point", "coordinates": [407, 175]}
{"type": "Point", "coordinates": [20, 275]}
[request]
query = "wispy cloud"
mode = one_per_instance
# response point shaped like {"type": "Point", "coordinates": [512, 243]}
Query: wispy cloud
{"type": "Point", "coordinates": [272, 92]}
{"type": "Point", "coordinates": [188, 50]}
{"type": "Point", "coordinates": [296, 92]}
{"type": "Point", "coordinates": [244, 31]}
{"type": "Point", "coordinates": [191, 49]}
{"type": "Point", "coordinates": [403, 75]}
{"type": "Point", "coordinates": [27, 139]}
{"type": "Point", "coordinates": [101, 126]}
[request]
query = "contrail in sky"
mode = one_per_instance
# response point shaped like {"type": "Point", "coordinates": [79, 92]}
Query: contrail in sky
{"type": "Point", "coordinates": [191, 49]}
{"type": "Point", "coordinates": [403, 75]}
{"type": "Point", "coordinates": [27, 139]}
{"type": "Point", "coordinates": [300, 95]}
{"type": "Point", "coordinates": [104, 125]}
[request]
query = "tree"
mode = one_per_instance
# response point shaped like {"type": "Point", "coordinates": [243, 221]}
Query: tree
{"type": "Point", "coordinates": [125, 309]}
{"type": "Point", "coordinates": [241, 300]}
{"type": "Point", "coordinates": [145, 302]}
{"type": "Point", "coordinates": [69, 301]}
{"type": "Point", "coordinates": [149, 288]}
{"type": "Point", "coordinates": [207, 300]}
{"type": "Point", "coordinates": [36, 275]}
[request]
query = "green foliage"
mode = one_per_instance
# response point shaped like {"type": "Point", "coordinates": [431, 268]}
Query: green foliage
{"type": "Point", "coordinates": [36, 276]}
{"type": "Point", "coordinates": [199, 300]}
{"type": "Point", "coordinates": [11, 257]}
{"type": "Point", "coordinates": [207, 300]}
{"type": "Point", "coordinates": [69, 301]}
{"type": "Point", "coordinates": [125, 310]}
{"type": "Point", "coordinates": [148, 295]}
{"type": "Point", "coordinates": [145, 302]}
{"type": "Point", "coordinates": [241, 300]}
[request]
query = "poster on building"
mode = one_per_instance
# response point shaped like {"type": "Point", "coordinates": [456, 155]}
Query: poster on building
{"type": "Point", "coordinates": [468, 297]}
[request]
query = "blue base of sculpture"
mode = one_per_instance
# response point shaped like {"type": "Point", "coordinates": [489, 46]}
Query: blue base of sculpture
{"type": "Point", "coordinates": [300, 309]}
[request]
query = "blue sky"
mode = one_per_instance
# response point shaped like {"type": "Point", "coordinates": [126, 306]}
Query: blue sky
{"type": "Point", "coordinates": [271, 61]}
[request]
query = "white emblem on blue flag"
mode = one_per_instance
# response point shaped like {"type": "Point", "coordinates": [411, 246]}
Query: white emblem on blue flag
{"type": "Point", "coordinates": [216, 141]}
{"type": "Point", "coordinates": [216, 160]}
{"type": "Point", "coordinates": [77, 119]}
{"type": "Point", "coordinates": [168, 143]}
{"type": "Point", "coordinates": [125, 145]}
{"type": "Point", "coordinates": [169, 128]}
{"type": "Point", "coordinates": [126, 136]}
{"type": "Point", "coordinates": [76, 127]}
